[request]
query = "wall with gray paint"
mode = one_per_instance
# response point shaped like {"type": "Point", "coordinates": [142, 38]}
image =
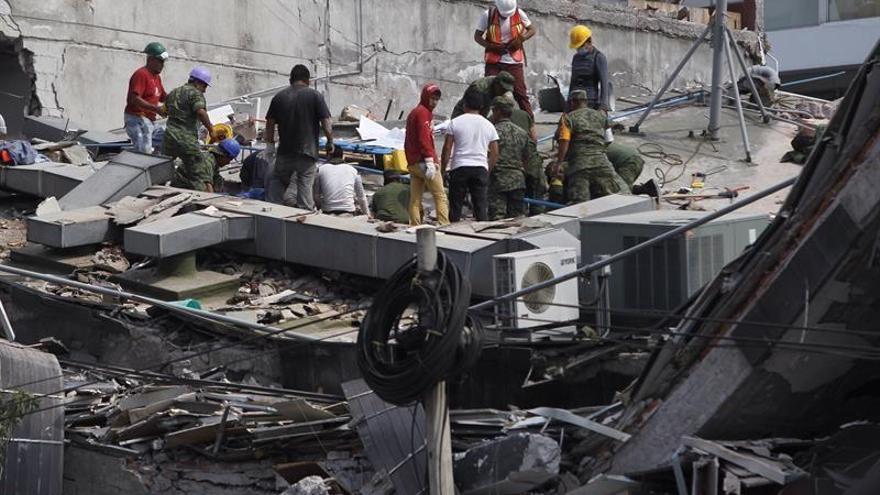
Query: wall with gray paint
{"type": "Point", "coordinates": [366, 51]}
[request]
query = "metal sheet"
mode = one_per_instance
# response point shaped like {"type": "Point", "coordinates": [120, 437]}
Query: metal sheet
{"type": "Point", "coordinates": [81, 227]}
{"type": "Point", "coordinates": [393, 437]}
{"type": "Point", "coordinates": [128, 174]}
{"type": "Point", "coordinates": [35, 455]}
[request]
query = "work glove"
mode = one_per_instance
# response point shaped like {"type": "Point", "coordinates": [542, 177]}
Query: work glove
{"type": "Point", "coordinates": [515, 44]}
{"type": "Point", "coordinates": [429, 169]}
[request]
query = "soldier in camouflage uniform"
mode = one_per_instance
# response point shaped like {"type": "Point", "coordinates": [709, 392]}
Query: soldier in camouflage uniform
{"type": "Point", "coordinates": [205, 175]}
{"type": "Point", "coordinates": [536, 179]}
{"type": "Point", "coordinates": [186, 107]}
{"type": "Point", "coordinates": [489, 87]}
{"type": "Point", "coordinates": [507, 181]}
{"type": "Point", "coordinates": [588, 174]}
{"type": "Point", "coordinates": [627, 162]}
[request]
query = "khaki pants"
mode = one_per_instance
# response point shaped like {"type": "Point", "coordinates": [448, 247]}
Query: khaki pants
{"type": "Point", "coordinates": [418, 183]}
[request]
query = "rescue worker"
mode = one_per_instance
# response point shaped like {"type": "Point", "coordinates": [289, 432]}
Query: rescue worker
{"type": "Point", "coordinates": [186, 108]}
{"type": "Point", "coordinates": [145, 97]}
{"type": "Point", "coordinates": [391, 202]}
{"type": "Point", "coordinates": [536, 179]}
{"type": "Point", "coordinates": [626, 160]}
{"type": "Point", "coordinates": [588, 173]}
{"type": "Point", "coordinates": [421, 157]}
{"type": "Point", "coordinates": [589, 69]}
{"type": "Point", "coordinates": [628, 163]}
{"type": "Point", "coordinates": [507, 182]}
{"type": "Point", "coordinates": [489, 87]}
{"type": "Point", "coordinates": [205, 176]}
{"type": "Point", "coordinates": [501, 31]}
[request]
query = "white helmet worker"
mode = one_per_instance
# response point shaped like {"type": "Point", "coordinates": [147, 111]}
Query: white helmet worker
{"type": "Point", "coordinates": [506, 7]}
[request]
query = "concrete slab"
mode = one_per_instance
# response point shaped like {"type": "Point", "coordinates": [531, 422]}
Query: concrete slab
{"type": "Point", "coordinates": [128, 174]}
{"type": "Point", "coordinates": [45, 179]}
{"type": "Point", "coordinates": [334, 243]}
{"type": "Point", "coordinates": [80, 227]}
{"type": "Point", "coordinates": [54, 260]}
{"type": "Point", "coordinates": [188, 232]}
{"type": "Point", "coordinates": [176, 287]}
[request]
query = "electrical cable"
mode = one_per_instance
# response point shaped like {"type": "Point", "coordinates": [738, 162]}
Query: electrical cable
{"type": "Point", "coordinates": [402, 362]}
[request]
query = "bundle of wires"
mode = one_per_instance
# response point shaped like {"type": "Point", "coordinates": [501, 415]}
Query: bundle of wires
{"type": "Point", "coordinates": [414, 335]}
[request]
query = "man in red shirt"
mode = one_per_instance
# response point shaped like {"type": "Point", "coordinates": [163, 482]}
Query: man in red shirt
{"type": "Point", "coordinates": [422, 158]}
{"type": "Point", "coordinates": [145, 98]}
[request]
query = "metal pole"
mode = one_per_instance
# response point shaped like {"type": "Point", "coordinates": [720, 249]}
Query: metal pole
{"type": "Point", "coordinates": [149, 300]}
{"type": "Point", "coordinates": [718, 42]}
{"type": "Point", "coordinates": [639, 247]}
{"type": "Point", "coordinates": [738, 99]}
{"type": "Point", "coordinates": [672, 77]}
{"type": "Point", "coordinates": [745, 69]}
{"type": "Point", "coordinates": [603, 313]}
{"type": "Point", "coordinates": [436, 407]}
{"type": "Point", "coordinates": [7, 325]}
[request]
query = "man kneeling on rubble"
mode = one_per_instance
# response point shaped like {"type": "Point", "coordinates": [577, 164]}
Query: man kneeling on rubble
{"type": "Point", "coordinates": [205, 174]}
{"type": "Point", "coordinates": [338, 188]}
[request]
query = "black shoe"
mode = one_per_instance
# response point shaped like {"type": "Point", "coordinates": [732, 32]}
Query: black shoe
{"type": "Point", "coordinates": [649, 188]}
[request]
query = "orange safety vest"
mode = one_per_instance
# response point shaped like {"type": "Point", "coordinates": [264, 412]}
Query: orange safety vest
{"type": "Point", "coordinates": [493, 35]}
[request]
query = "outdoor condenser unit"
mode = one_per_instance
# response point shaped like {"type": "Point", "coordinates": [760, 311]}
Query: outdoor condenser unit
{"type": "Point", "coordinates": [666, 275]}
{"type": "Point", "coordinates": [515, 271]}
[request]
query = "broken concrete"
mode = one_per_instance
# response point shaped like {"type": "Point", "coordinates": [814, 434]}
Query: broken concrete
{"type": "Point", "coordinates": [510, 465]}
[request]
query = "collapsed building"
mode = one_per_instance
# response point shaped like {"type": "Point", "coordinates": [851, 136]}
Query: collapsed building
{"type": "Point", "coordinates": [209, 342]}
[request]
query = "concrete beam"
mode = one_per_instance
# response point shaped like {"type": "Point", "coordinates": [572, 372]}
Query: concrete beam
{"type": "Point", "coordinates": [74, 228]}
{"type": "Point", "coordinates": [188, 232]}
{"type": "Point", "coordinates": [128, 174]}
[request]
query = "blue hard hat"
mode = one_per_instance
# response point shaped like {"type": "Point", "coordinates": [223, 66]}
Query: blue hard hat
{"type": "Point", "coordinates": [201, 74]}
{"type": "Point", "coordinates": [230, 147]}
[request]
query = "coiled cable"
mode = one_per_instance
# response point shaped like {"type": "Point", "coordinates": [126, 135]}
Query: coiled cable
{"type": "Point", "coordinates": [413, 336]}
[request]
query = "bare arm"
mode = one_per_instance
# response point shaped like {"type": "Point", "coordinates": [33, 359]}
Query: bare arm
{"type": "Point", "coordinates": [361, 196]}
{"type": "Point", "coordinates": [327, 125]}
{"type": "Point", "coordinates": [533, 133]}
{"type": "Point", "coordinates": [446, 154]}
{"type": "Point", "coordinates": [135, 100]}
{"type": "Point", "coordinates": [493, 155]}
{"type": "Point", "coordinates": [202, 115]}
{"type": "Point", "coordinates": [560, 155]}
{"type": "Point", "coordinates": [480, 39]}
{"type": "Point", "coordinates": [269, 131]}
{"type": "Point", "coordinates": [530, 33]}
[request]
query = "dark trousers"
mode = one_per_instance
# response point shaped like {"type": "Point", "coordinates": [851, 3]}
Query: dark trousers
{"type": "Point", "coordinates": [520, 93]}
{"type": "Point", "coordinates": [464, 180]}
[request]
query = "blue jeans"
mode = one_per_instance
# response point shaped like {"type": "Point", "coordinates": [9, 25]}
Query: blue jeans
{"type": "Point", "coordinates": [140, 131]}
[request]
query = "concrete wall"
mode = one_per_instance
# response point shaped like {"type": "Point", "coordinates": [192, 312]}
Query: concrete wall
{"type": "Point", "coordinates": [366, 51]}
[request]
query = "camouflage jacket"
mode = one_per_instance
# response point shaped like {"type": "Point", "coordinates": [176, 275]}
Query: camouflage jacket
{"type": "Point", "coordinates": [484, 85]}
{"type": "Point", "coordinates": [183, 125]}
{"type": "Point", "coordinates": [587, 128]}
{"type": "Point", "coordinates": [513, 153]}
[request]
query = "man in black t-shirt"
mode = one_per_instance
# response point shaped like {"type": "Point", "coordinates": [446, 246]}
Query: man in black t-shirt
{"type": "Point", "coordinates": [298, 111]}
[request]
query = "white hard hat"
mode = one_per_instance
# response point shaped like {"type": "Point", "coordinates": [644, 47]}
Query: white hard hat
{"type": "Point", "coordinates": [506, 7]}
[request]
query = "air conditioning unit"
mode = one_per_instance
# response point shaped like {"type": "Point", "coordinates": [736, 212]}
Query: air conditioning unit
{"type": "Point", "coordinates": [516, 271]}
{"type": "Point", "coordinates": [664, 276]}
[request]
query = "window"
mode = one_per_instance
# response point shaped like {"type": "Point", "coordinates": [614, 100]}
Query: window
{"type": "Point", "coordinates": [787, 14]}
{"type": "Point", "coordinates": [844, 10]}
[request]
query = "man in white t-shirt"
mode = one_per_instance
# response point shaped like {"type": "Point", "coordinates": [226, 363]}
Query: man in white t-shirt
{"type": "Point", "coordinates": [502, 30]}
{"type": "Point", "coordinates": [338, 188]}
{"type": "Point", "coordinates": [472, 146]}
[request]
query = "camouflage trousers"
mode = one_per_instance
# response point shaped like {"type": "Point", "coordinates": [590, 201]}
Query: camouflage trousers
{"type": "Point", "coordinates": [192, 172]}
{"type": "Point", "coordinates": [591, 177]}
{"type": "Point", "coordinates": [506, 204]}
{"type": "Point", "coordinates": [536, 180]}
{"type": "Point", "coordinates": [627, 162]}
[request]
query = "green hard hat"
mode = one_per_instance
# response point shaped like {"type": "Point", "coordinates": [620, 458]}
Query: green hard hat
{"type": "Point", "coordinates": [156, 49]}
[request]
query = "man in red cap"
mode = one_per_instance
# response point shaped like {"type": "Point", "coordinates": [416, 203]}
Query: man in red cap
{"type": "Point", "coordinates": [424, 166]}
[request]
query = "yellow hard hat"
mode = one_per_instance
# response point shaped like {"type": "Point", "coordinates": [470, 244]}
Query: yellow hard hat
{"type": "Point", "coordinates": [578, 36]}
